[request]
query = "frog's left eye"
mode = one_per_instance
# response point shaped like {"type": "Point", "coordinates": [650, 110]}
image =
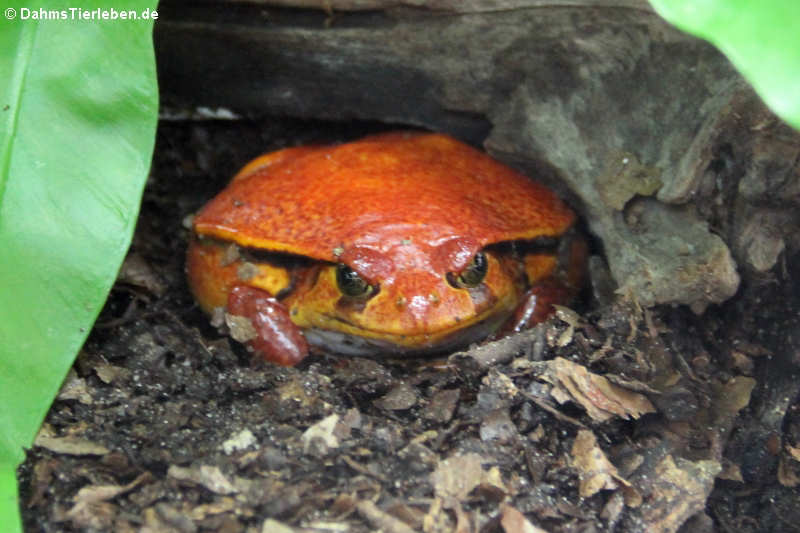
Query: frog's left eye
{"type": "Point", "coordinates": [351, 283]}
{"type": "Point", "coordinates": [472, 275]}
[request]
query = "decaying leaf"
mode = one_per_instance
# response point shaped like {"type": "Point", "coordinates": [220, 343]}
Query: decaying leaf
{"type": "Point", "coordinates": [515, 522]}
{"type": "Point", "coordinates": [788, 472]}
{"type": "Point", "coordinates": [382, 520]}
{"type": "Point", "coordinates": [98, 493]}
{"type": "Point", "coordinates": [97, 516]}
{"type": "Point", "coordinates": [109, 373]}
{"type": "Point", "coordinates": [210, 477]}
{"type": "Point", "coordinates": [241, 329]}
{"type": "Point", "coordinates": [492, 481]}
{"type": "Point", "coordinates": [400, 397]}
{"type": "Point", "coordinates": [463, 518]}
{"type": "Point", "coordinates": [42, 480]}
{"type": "Point", "coordinates": [794, 452]}
{"type": "Point", "coordinates": [163, 517]}
{"type": "Point", "coordinates": [322, 435]}
{"type": "Point", "coordinates": [733, 396]}
{"type": "Point", "coordinates": [730, 472]}
{"type": "Point", "coordinates": [442, 406]}
{"type": "Point", "coordinates": [75, 388]}
{"type": "Point", "coordinates": [500, 383]}
{"type": "Point", "coordinates": [597, 472]}
{"type": "Point", "coordinates": [497, 426]}
{"type": "Point", "coordinates": [70, 445]}
{"type": "Point", "coordinates": [457, 476]}
{"type": "Point", "coordinates": [225, 504]}
{"type": "Point", "coordinates": [273, 526]}
{"type": "Point", "coordinates": [612, 510]}
{"type": "Point", "coordinates": [436, 520]}
{"type": "Point", "coordinates": [136, 271]}
{"type": "Point", "coordinates": [90, 509]}
{"type": "Point", "coordinates": [571, 318]}
{"type": "Point", "coordinates": [241, 441]}
{"type": "Point", "coordinates": [601, 398]}
{"type": "Point", "coordinates": [678, 489]}
{"type": "Point", "coordinates": [410, 514]}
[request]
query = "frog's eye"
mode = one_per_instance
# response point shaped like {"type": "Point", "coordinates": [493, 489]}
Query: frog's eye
{"type": "Point", "coordinates": [351, 283]}
{"type": "Point", "coordinates": [472, 275]}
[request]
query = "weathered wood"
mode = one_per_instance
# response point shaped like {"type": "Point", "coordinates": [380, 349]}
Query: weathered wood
{"type": "Point", "coordinates": [602, 100]}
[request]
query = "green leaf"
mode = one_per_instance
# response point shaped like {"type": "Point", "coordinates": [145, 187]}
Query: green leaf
{"type": "Point", "coordinates": [760, 37]}
{"type": "Point", "coordinates": [78, 110]}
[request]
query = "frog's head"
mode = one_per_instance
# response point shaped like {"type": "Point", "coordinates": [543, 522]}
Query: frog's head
{"type": "Point", "coordinates": [407, 290]}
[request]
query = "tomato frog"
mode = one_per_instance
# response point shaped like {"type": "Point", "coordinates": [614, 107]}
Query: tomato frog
{"type": "Point", "coordinates": [401, 243]}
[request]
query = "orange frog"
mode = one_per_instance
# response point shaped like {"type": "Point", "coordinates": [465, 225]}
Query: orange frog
{"type": "Point", "coordinates": [400, 243]}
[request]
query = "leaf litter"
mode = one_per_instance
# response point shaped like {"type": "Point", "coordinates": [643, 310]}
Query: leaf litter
{"type": "Point", "coordinates": [616, 419]}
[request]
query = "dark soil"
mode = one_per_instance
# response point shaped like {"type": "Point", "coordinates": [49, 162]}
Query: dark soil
{"type": "Point", "coordinates": [211, 440]}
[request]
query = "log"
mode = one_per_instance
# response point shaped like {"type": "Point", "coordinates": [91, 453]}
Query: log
{"type": "Point", "coordinates": [680, 172]}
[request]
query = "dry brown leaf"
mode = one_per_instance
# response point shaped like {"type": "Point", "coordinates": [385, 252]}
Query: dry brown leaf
{"type": "Point", "coordinates": [787, 473]}
{"type": "Point", "coordinates": [273, 526]}
{"type": "Point", "coordinates": [165, 518]}
{"type": "Point", "coordinates": [98, 493]}
{"type": "Point", "coordinates": [42, 478]}
{"type": "Point", "coordinates": [500, 383]}
{"type": "Point", "coordinates": [90, 509]}
{"type": "Point", "coordinates": [679, 489]}
{"type": "Point", "coordinates": [98, 516]}
{"type": "Point", "coordinates": [733, 396]}
{"type": "Point", "coordinates": [442, 406]}
{"type": "Point", "coordinates": [135, 270]}
{"type": "Point", "coordinates": [730, 472]}
{"type": "Point", "coordinates": [75, 388]}
{"type": "Point", "coordinates": [223, 505]}
{"type": "Point", "coordinates": [514, 521]}
{"type": "Point", "coordinates": [399, 398]}
{"type": "Point", "coordinates": [492, 481]}
{"type": "Point", "coordinates": [794, 452]}
{"type": "Point", "coordinates": [210, 477]}
{"type": "Point", "coordinates": [322, 435]}
{"type": "Point", "coordinates": [571, 318]}
{"type": "Point", "coordinates": [457, 476]}
{"type": "Point", "coordinates": [347, 423]}
{"type": "Point", "coordinates": [70, 445]}
{"type": "Point", "coordinates": [241, 441]}
{"type": "Point", "coordinates": [109, 373]}
{"type": "Point", "coordinates": [463, 522]}
{"type": "Point", "coordinates": [593, 392]}
{"type": "Point", "coordinates": [612, 510]}
{"type": "Point", "coordinates": [240, 327]}
{"type": "Point", "coordinates": [436, 520]}
{"type": "Point", "coordinates": [597, 472]}
{"type": "Point", "coordinates": [411, 515]}
{"type": "Point", "coordinates": [325, 526]}
{"type": "Point", "coordinates": [380, 519]}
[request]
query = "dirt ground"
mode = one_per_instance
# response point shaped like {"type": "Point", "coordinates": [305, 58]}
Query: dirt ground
{"type": "Point", "coordinates": [614, 419]}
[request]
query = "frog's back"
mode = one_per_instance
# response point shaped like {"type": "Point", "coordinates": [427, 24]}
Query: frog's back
{"type": "Point", "coordinates": [315, 201]}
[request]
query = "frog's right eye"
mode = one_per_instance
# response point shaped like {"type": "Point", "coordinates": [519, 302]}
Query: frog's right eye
{"type": "Point", "coordinates": [352, 284]}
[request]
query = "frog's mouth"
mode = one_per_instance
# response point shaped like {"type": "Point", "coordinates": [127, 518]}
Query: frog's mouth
{"type": "Point", "coordinates": [351, 340]}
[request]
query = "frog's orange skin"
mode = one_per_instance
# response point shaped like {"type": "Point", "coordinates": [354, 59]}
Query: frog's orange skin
{"type": "Point", "coordinates": [402, 210]}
